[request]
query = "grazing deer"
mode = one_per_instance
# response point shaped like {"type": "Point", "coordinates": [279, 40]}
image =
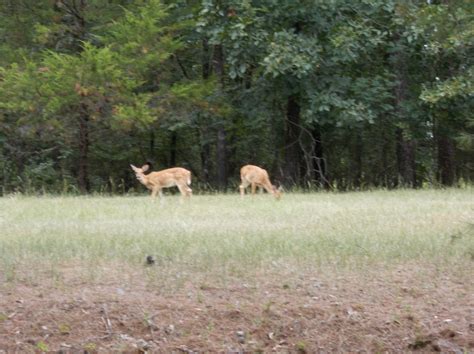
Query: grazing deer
{"type": "Point", "coordinates": [256, 177]}
{"type": "Point", "coordinates": [156, 181]}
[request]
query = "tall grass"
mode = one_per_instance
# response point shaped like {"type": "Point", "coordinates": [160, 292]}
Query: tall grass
{"type": "Point", "coordinates": [224, 232]}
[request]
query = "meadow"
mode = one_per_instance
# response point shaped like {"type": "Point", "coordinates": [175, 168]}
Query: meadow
{"type": "Point", "coordinates": [223, 242]}
{"type": "Point", "coordinates": [220, 232]}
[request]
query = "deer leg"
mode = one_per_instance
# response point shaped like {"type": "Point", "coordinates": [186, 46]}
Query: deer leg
{"type": "Point", "coordinates": [185, 190]}
{"type": "Point", "coordinates": [242, 187]}
{"type": "Point", "coordinates": [155, 191]}
{"type": "Point", "coordinates": [254, 187]}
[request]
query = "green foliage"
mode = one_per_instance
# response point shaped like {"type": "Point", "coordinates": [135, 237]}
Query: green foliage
{"type": "Point", "coordinates": [291, 54]}
{"type": "Point", "coordinates": [141, 38]}
{"type": "Point", "coordinates": [42, 346]}
{"type": "Point", "coordinates": [135, 108]}
{"type": "Point", "coordinates": [457, 87]}
{"type": "Point", "coordinates": [379, 81]}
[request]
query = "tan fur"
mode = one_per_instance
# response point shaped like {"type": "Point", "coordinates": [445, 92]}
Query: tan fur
{"type": "Point", "coordinates": [156, 181]}
{"type": "Point", "coordinates": [256, 177]}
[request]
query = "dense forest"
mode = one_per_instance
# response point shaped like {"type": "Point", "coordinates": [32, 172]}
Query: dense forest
{"type": "Point", "coordinates": [324, 94]}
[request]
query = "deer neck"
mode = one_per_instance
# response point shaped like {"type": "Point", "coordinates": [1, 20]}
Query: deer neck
{"type": "Point", "coordinates": [143, 179]}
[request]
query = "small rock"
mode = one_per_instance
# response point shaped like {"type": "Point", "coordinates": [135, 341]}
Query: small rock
{"type": "Point", "coordinates": [447, 346]}
{"type": "Point", "coordinates": [351, 312]}
{"type": "Point", "coordinates": [126, 337]}
{"type": "Point", "coordinates": [169, 329]}
{"type": "Point", "coordinates": [447, 333]}
{"type": "Point", "coordinates": [150, 260]}
{"type": "Point", "coordinates": [318, 284]}
{"type": "Point", "coordinates": [240, 336]}
{"type": "Point", "coordinates": [151, 324]}
{"type": "Point", "coordinates": [143, 345]}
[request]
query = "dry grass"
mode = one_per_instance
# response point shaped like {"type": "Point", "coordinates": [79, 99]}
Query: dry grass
{"type": "Point", "coordinates": [224, 233]}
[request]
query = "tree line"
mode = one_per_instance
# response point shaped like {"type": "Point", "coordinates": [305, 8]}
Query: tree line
{"type": "Point", "coordinates": [336, 94]}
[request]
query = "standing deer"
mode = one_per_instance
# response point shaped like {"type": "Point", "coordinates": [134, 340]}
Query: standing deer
{"type": "Point", "coordinates": [156, 181]}
{"type": "Point", "coordinates": [257, 177]}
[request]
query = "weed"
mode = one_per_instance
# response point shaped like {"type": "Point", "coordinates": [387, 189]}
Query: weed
{"type": "Point", "coordinates": [267, 306]}
{"type": "Point", "coordinates": [301, 347]}
{"type": "Point", "coordinates": [90, 347]}
{"type": "Point", "coordinates": [42, 346]}
{"type": "Point", "coordinates": [64, 328]}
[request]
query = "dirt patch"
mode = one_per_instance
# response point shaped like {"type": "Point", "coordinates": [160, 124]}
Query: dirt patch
{"type": "Point", "coordinates": [403, 309]}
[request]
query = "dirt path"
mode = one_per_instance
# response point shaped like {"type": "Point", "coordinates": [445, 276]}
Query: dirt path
{"type": "Point", "coordinates": [405, 309]}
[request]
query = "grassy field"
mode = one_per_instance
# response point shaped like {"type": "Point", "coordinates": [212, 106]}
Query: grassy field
{"type": "Point", "coordinates": [223, 233]}
{"type": "Point", "coordinates": [217, 241]}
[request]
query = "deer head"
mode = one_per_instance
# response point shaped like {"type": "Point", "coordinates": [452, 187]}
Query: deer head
{"type": "Point", "coordinates": [140, 172]}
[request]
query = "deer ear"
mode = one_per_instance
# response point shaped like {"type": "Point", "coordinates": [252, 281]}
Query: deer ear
{"type": "Point", "coordinates": [134, 168]}
{"type": "Point", "coordinates": [145, 167]}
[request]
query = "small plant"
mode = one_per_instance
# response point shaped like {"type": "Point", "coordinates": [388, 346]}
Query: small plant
{"type": "Point", "coordinates": [42, 346]}
{"type": "Point", "coordinates": [204, 287]}
{"type": "Point", "coordinates": [267, 306]}
{"type": "Point", "coordinates": [379, 346]}
{"type": "Point", "coordinates": [64, 328]}
{"type": "Point", "coordinates": [3, 317]}
{"type": "Point", "coordinates": [210, 327]}
{"type": "Point", "coordinates": [420, 342]}
{"type": "Point", "coordinates": [90, 347]}
{"type": "Point", "coordinates": [258, 321]}
{"type": "Point", "coordinates": [470, 254]}
{"type": "Point", "coordinates": [301, 347]}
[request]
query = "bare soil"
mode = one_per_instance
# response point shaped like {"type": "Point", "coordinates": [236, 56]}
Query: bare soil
{"type": "Point", "coordinates": [404, 309]}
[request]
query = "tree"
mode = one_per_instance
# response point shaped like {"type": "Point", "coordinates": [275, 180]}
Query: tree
{"type": "Point", "coordinates": [337, 95]}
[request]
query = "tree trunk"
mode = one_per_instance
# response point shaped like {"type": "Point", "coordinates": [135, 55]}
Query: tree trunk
{"type": "Point", "coordinates": [385, 182]}
{"type": "Point", "coordinates": [83, 162]}
{"type": "Point", "coordinates": [173, 144]}
{"type": "Point", "coordinates": [203, 128]}
{"type": "Point", "coordinates": [205, 157]}
{"type": "Point", "coordinates": [406, 159]}
{"type": "Point", "coordinates": [152, 144]}
{"type": "Point", "coordinates": [221, 159]}
{"type": "Point", "coordinates": [206, 67]}
{"type": "Point", "coordinates": [221, 148]}
{"type": "Point", "coordinates": [293, 153]}
{"type": "Point", "coordinates": [357, 162]}
{"type": "Point", "coordinates": [319, 163]}
{"type": "Point", "coordinates": [446, 160]}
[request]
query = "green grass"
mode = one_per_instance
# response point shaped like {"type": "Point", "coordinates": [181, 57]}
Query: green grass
{"type": "Point", "coordinates": [224, 233]}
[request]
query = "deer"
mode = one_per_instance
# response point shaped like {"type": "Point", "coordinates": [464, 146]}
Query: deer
{"type": "Point", "coordinates": [156, 181]}
{"type": "Point", "coordinates": [257, 177]}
